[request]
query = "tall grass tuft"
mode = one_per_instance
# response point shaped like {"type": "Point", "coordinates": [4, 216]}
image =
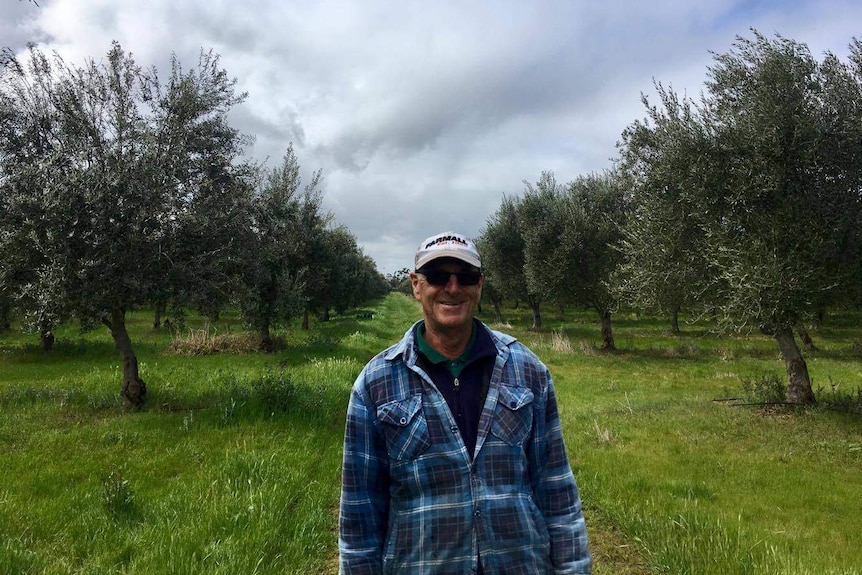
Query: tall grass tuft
{"type": "Point", "coordinates": [559, 342]}
{"type": "Point", "coordinates": [206, 341]}
{"type": "Point", "coordinates": [118, 495]}
{"type": "Point", "coordinates": [849, 401]}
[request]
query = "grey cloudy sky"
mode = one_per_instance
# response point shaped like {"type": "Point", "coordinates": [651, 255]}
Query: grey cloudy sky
{"type": "Point", "coordinates": [423, 114]}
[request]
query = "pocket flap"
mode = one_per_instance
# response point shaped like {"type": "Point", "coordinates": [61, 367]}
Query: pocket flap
{"type": "Point", "coordinates": [401, 411]}
{"type": "Point", "coordinates": [515, 397]}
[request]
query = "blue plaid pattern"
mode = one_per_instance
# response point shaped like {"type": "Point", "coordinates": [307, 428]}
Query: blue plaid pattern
{"type": "Point", "coordinates": [413, 501]}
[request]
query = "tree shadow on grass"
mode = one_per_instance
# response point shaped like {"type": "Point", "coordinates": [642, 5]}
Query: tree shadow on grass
{"type": "Point", "coordinates": [64, 350]}
{"type": "Point", "coordinates": [234, 399]}
{"type": "Point", "coordinates": [272, 394]}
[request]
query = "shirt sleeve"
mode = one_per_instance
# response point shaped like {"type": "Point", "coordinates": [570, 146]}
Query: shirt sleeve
{"type": "Point", "coordinates": [364, 508]}
{"type": "Point", "coordinates": [556, 493]}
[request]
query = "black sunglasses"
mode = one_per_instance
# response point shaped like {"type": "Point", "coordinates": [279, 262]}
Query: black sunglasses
{"type": "Point", "coordinates": [441, 277]}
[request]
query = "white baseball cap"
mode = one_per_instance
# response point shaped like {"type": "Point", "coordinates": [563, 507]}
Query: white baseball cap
{"type": "Point", "coordinates": [447, 245]}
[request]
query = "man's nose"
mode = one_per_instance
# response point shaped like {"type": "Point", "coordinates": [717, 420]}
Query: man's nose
{"type": "Point", "coordinates": [452, 284]}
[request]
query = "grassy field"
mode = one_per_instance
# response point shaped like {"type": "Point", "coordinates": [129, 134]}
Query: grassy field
{"type": "Point", "coordinates": [234, 466]}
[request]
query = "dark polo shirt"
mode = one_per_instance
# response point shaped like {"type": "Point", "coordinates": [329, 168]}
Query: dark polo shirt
{"type": "Point", "coordinates": [463, 382]}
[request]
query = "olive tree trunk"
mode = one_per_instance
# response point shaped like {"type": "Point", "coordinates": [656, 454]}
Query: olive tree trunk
{"type": "Point", "coordinates": [498, 313]}
{"type": "Point", "coordinates": [46, 340]}
{"type": "Point", "coordinates": [266, 344]}
{"type": "Point", "coordinates": [537, 314]}
{"type": "Point", "coordinates": [798, 381]}
{"type": "Point", "coordinates": [807, 342]}
{"type": "Point", "coordinates": [46, 334]}
{"type": "Point", "coordinates": [607, 333]}
{"type": "Point", "coordinates": [134, 390]}
{"type": "Point", "coordinates": [157, 315]}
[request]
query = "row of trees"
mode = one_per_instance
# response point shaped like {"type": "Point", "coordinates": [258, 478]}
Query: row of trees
{"type": "Point", "coordinates": [119, 189]}
{"type": "Point", "coordinates": [744, 206]}
{"type": "Point", "coordinates": [553, 244]}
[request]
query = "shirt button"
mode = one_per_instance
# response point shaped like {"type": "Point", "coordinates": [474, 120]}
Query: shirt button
{"type": "Point", "coordinates": [454, 429]}
{"type": "Point", "coordinates": [403, 421]}
{"type": "Point", "coordinates": [477, 513]}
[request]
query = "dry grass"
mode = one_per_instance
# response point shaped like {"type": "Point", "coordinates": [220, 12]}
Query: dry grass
{"type": "Point", "coordinates": [560, 342]}
{"type": "Point", "coordinates": [205, 342]}
{"type": "Point", "coordinates": [588, 348]}
{"type": "Point", "coordinates": [604, 435]}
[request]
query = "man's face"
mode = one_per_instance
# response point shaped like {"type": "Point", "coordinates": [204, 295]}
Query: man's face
{"type": "Point", "coordinates": [447, 308]}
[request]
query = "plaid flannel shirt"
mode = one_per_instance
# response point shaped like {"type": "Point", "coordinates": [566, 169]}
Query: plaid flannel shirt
{"type": "Point", "coordinates": [413, 501]}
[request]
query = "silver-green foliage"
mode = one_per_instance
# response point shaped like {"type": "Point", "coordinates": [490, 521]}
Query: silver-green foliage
{"type": "Point", "coordinates": [751, 196]}
{"type": "Point", "coordinates": [118, 189]}
{"type": "Point", "coordinates": [749, 199]}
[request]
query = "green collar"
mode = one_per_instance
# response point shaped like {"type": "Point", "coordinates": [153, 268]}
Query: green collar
{"type": "Point", "coordinates": [456, 365]}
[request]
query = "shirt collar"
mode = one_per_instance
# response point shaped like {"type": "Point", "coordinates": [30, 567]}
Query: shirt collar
{"type": "Point", "coordinates": [436, 357]}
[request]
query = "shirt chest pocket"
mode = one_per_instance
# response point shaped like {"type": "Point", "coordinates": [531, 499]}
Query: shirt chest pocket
{"type": "Point", "coordinates": [405, 427]}
{"type": "Point", "coordinates": [513, 417]}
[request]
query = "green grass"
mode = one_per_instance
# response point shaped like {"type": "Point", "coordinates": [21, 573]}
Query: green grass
{"type": "Point", "coordinates": [234, 467]}
{"type": "Point", "coordinates": [702, 486]}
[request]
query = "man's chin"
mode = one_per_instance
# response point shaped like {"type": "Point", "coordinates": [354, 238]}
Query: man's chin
{"type": "Point", "coordinates": [453, 313]}
{"type": "Point", "coordinates": [453, 321]}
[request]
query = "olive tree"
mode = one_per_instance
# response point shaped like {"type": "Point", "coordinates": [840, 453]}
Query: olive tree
{"type": "Point", "coordinates": [31, 143]}
{"type": "Point", "coordinates": [296, 264]}
{"type": "Point", "coordinates": [502, 247]}
{"type": "Point", "coordinates": [569, 232]}
{"type": "Point", "coordinates": [662, 267]}
{"type": "Point", "coordinates": [117, 186]}
{"type": "Point", "coordinates": [596, 205]}
{"type": "Point", "coordinates": [347, 277]}
{"type": "Point", "coordinates": [774, 186]}
{"type": "Point", "coordinates": [285, 224]}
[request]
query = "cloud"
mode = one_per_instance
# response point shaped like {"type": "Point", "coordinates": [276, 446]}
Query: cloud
{"type": "Point", "coordinates": [422, 115]}
{"type": "Point", "coordinates": [17, 27]}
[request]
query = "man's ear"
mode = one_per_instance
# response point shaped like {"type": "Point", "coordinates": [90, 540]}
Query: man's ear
{"type": "Point", "coordinates": [414, 283]}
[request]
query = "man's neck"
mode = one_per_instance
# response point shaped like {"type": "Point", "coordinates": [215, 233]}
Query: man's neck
{"type": "Point", "coordinates": [449, 345]}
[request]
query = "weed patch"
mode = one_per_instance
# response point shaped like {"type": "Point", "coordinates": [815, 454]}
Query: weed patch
{"type": "Point", "coordinates": [588, 348]}
{"type": "Point", "coordinates": [277, 393]}
{"type": "Point", "coordinates": [118, 496]}
{"type": "Point", "coordinates": [767, 388]}
{"type": "Point", "coordinates": [604, 435]}
{"type": "Point", "coordinates": [559, 342]}
{"type": "Point", "coordinates": [206, 341]}
{"type": "Point", "coordinates": [72, 397]}
{"type": "Point", "coordinates": [683, 350]}
{"type": "Point", "coordinates": [839, 399]}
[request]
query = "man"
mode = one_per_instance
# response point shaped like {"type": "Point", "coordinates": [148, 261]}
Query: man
{"type": "Point", "coordinates": [454, 462]}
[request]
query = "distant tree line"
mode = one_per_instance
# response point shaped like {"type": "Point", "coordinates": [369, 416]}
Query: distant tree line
{"type": "Point", "coordinates": [744, 207]}
{"type": "Point", "coordinates": [119, 190]}
{"type": "Point", "coordinates": [400, 281]}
